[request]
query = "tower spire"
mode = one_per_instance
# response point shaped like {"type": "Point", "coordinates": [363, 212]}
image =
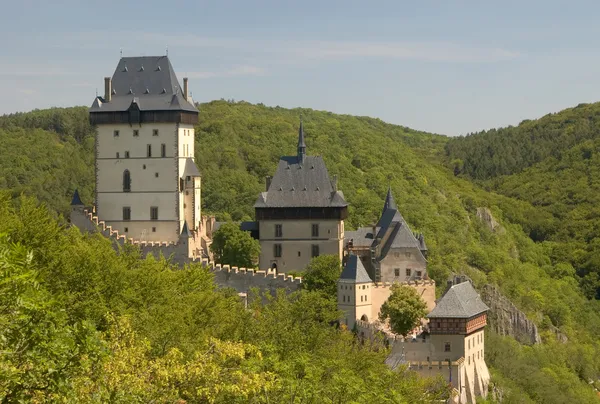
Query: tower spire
{"type": "Point", "coordinates": [390, 203]}
{"type": "Point", "coordinates": [301, 144]}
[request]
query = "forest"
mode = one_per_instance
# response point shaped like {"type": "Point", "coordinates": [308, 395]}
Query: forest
{"type": "Point", "coordinates": [141, 311]}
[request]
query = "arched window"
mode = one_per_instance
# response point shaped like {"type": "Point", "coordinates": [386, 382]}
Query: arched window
{"type": "Point", "coordinates": [126, 181]}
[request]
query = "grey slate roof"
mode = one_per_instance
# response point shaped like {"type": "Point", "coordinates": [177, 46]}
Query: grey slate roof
{"type": "Point", "coordinates": [389, 203]}
{"type": "Point", "coordinates": [150, 81]}
{"type": "Point", "coordinates": [190, 168]}
{"type": "Point", "coordinates": [76, 199]}
{"type": "Point", "coordinates": [185, 232]}
{"type": "Point", "coordinates": [354, 271]}
{"type": "Point", "coordinates": [362, 237]}
{"type": "Point", "coordinates": [460, 301]}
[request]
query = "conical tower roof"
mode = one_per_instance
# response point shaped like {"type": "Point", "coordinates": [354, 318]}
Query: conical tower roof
{"type": "Point", "coordinates": [354, 271]}
{"type": "Point", "coordinates": [76, 201]}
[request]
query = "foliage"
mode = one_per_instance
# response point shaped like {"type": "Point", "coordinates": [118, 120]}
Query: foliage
{"type": "Point", "coordinates": [322, 274]}
{"type": "Point", "coordinates": [404, 309]}
{"type": "Point", "coordinates": [235, 247]}
{"type": "Point", "coordinates": [81, 323]}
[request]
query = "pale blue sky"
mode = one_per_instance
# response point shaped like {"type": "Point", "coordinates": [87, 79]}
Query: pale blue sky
{"type": "Point", "coordinates": [448, 67]}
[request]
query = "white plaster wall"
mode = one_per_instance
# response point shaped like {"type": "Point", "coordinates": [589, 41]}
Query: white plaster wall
{"type": "Point", "coordinates": [355, 301]}
{"type": "Point", "coordinates": [402, 258]}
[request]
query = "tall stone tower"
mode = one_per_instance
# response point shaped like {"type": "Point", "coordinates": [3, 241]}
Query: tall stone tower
{"type": "Point", "coordinates": [301, 214]}
{"type": "Point", "coordinates": [355, 292]}
{"type": "Point", "coordinates": [147, 184]}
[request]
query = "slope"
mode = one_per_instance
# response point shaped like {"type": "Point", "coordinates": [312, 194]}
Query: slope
{"type": "Point", "coordinates": [238, 144]}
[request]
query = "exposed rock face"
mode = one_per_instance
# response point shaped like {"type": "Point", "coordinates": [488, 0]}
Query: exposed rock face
{"type": "Point", "coordinates": [485, 215]}
{"type": "Point", "coordinates": [506, 319]}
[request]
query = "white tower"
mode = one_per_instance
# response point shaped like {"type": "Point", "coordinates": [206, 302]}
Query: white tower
{"type": "Point", "coordinates": [355, 292]}
{"type": "Point", "coordinates": [147, 184]}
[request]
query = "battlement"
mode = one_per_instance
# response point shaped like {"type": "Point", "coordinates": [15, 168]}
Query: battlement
{"type": "Point", "coordinates": [424, 282]}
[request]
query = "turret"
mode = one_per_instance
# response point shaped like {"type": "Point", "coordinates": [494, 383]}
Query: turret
{"type": "Point", "coordinates": [355, 292]}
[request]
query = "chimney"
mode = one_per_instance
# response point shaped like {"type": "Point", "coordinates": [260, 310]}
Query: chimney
{"type": "Point", "coordinates": [268, 179]}
{"type": "Point", "coordinates": [107, 89]}
{"type": "Point", "coordinates": [185, 88]}
{"type": "Point", "coordinates": [334, 183]}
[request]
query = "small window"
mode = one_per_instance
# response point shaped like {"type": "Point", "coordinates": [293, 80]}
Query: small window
{"type": "Point", "coordinates": [116, 133]}
{"type": "Point", "coordinates": [154, 213]}
{"type": "Point", "coordinates": [407, 255]}
{"type": "Point", "coordinates": [126, 154]}
{"type": "Point", "coordinates": [299, 253]}
{"type": "Point", "coordinates": [315, 230]}
{"type": "Point", "coordinates": [188, 178]}
{"type": "Point", "coordinates": [126, 213]}
{"type": "Point", "coordinates": [154, 230]}
{"type": "Point", "coordinates": [408, 271]}
{"type": "Point", "coordinates": [118, 155]}
{"type": "Point", "coordinates": [126, 229]}
{"type": "Point", "coordinates": [163, 150]}
{"type": "Point", "coordinates": [361, 298]}
{"type": "Point", "coordinates": [315, 250]}
{"type": "Point", "coordinates": [144, 166]}
{"type": "Point", "coordinates": [156, 175]}
{"type": "Point", "coordinates": [149, 150]}
{"type": "Point", "coordinates": [396, 271]}
{"type": "Point", "coordinates": [136, 132]}
{"type": "Point", "coordinates": [397, 255]}
{"type": "Point", "coordinates": [187, 192]}
{"type": "Point", "coordinates": [154, 132]}
{"type": "Point", "coordinates": [278, 230]}
{"type": "Point", "coordinates": [277, 250]}
{"type": "Point", "coordinates": [419, 274]}
{"type": "Point", "coordinates": [446, 347]}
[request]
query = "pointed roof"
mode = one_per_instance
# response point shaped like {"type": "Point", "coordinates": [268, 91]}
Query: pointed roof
{"type": "Point", "coordinates": [190, 168]}
{"type": "Point", "coordinates": [301, 143]}
{"type": "Point", "coordinates": [76, 201]}
{"type": "Point", "coordinates": [185, 232]}
{"type": "Point", "coordinates": [460, 301]}
{"type": "Point", "coordinates": [389, 203]}
{"type": "Point", "coordinates": [354, 271]}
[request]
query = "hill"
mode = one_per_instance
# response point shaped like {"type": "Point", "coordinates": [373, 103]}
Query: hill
{"type": "Point", "coordinates": [554, 164]}
{"type": "Point", "coordinates": [238, 144]}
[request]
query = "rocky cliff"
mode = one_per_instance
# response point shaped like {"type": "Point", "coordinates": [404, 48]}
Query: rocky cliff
{"type": "Point", "coordinates": [506, 319]}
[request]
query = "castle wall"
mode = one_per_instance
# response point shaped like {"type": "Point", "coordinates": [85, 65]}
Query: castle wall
{"type": "Point", "coordinates": [297, 241]}
{"type": "Point", "coordinates": [381, 292]}
{"type": "Point", "coordinates": [402, 259]}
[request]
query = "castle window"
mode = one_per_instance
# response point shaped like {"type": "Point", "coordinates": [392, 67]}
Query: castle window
{"type": "Point", "coordinates": [149, 150]}
{"type": "Point", "coordinates": [126, 213]}
{"type": "Point", "coordinates": [419, 274]}
{"type": "Point", "coordinates": [188, 178]}
{"type": "Point", "coordinates": [298, 253]}
{"type": "Point", "coordinates": [315, 230]}
{"type": "Point", "coordinates": [126, 154]}
{"type": "Point", "coordinates": [116, 133]}
{"type": "Point", "coordinates": [397, 255]}
{"type": "Point", "coordinates": [126, 181]}
{"type": "Point", "coordinates": [154, 230]}
{"type": "Point", "coordinates": [163, 150]}
{"type": "Point", "coordinates": [447, 347]}
{"type": "Point", "coordinates": [408, 271]}
{"type": "Point", "coordinates": [315, 250]}
{"type": "Point", "coordinates": [126, 229]}
{"type": "Point", "coordinates": [136, 132]}
{"type": "Point", "coordinates": [396, 271]}
{"type": "Point", "coordinates": [277, 250]}
{"type": "Point", "coordinates": [144, 166]}
{"type": "Point", "coordinates": [156, 175]}
{"type": "Point", "coordinates": [407, 255]}
{"type": "Point", "coordinates": [469, 358]}
{"type": "Point", "coordinates": [469, 344]}
{"type": "Point", "coordinates": [154, 213]}
{"type": "Point", "coordinates": [361, 298]}
{"type": "Point", "coordinates": [118, 155]}
{"type": "Point", "coordinates": [154, 132]}
{"type": "Point", "coordinates": [278, 230]}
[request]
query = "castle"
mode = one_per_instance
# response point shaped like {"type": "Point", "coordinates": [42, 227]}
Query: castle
{"type": "Point", "coordinates": [148, 193]}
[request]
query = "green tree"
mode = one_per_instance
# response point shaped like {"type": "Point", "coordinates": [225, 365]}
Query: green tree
{"type": "Point", "coordinates": [322, 273]}
{"type": "Point", "coordinates": [235, 247]}
{"type": "Point", "coordinates": [404, 308]}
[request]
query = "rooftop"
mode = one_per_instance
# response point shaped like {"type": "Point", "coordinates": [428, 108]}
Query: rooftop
{"type": "Point", "coordinates": [354, 271]}
{"type": "Point", "coordinates": [147, 81]}
{"type": "Point", "coordinates": [460, 301]}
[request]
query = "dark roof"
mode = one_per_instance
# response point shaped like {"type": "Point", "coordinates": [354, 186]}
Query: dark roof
{"type": "Point", "coordinates": [150, 81]}
{"type": "Point", "coordinates": [354, 271]}
{"type": "Point", "coordinates": [249, 226]}
{"type": "Point", "coordinates": [190, 168]}
{"type": "Point", "coordinates": [422, 244]}
{"type": "Point", "coordinates": [301, 184]}
{"type": "Point", "coordinates": [389, 203]}
{"type": "Point", "coordinates": [76, 199]}
{"type": "Point", "coordinates": [185, 232]}
{"type": "Point", "coordinates": [362, 237]}
{"type": "Point", "coordinates": [460, 301]}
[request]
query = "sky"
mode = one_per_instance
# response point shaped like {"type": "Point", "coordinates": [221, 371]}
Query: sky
{"type": "Point", "coordinates": [448, 67]}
